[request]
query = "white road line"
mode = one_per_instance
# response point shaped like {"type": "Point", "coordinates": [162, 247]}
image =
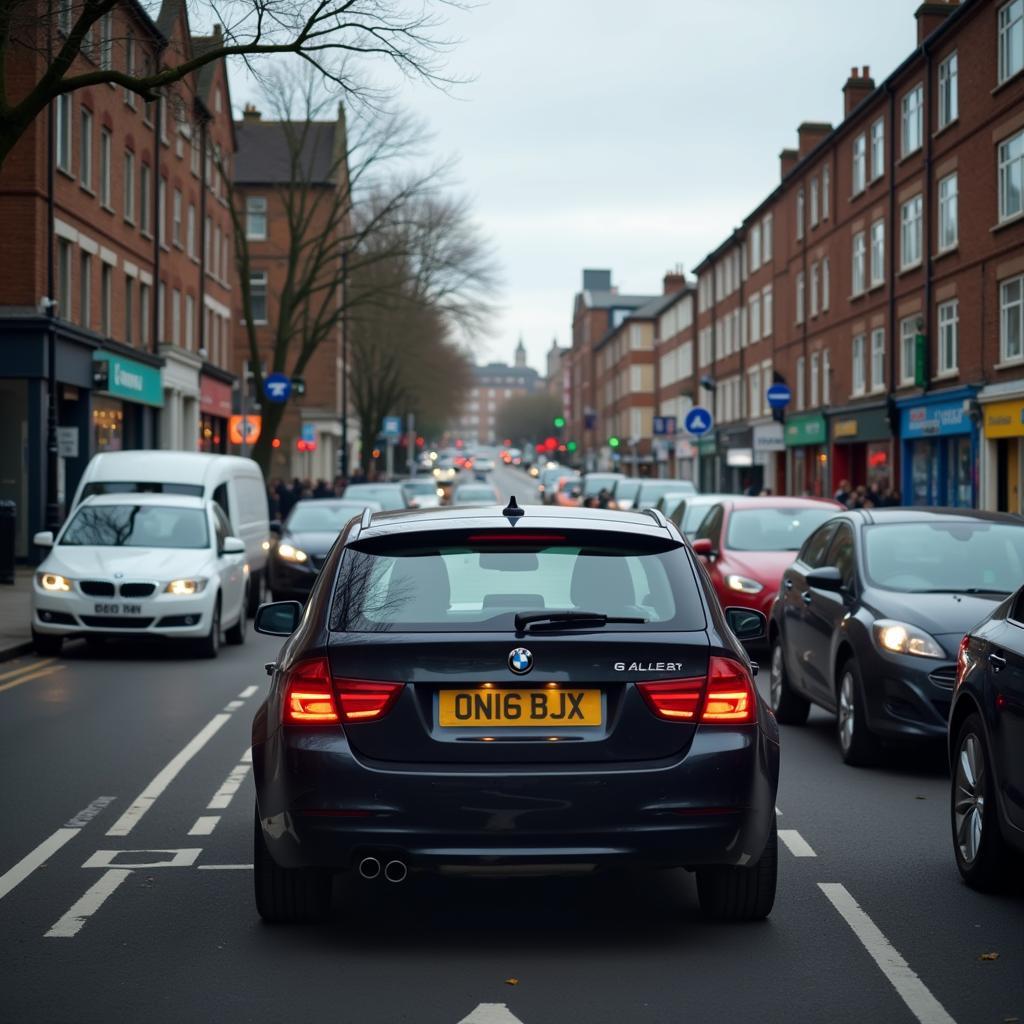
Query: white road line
{"type": "Point", "coordinates": [178, 859]}
{"type": "Point", "coordinates": [228, 789]}
{"type": "Point", "coordinates": [40, 855]}
{"type": "Point", "coordinates": [778, 813]}
{"type": "Point", "coordinates": [246, 758]}
{"type": "Point", "coordinates": [204, 825]}
{"type": "Point", "coordinates": [86, 814]}
{"type": "Point", "coordinates": [921, 1003]}
{"type": "Point", "coordinates": [225, 867]}
{"type": "Point", "coordinates": [95, 896]}
{"type": "Point", "coordinates": [234, 705]}
{"type": "Point", "coordinates": [248, 692]}
{"type": "Point", "coordinates": [795, 843]}
{"type": "Point", "coordinates": [165, 777]}
{"type": "Point", "coordinates": [491, 1013]}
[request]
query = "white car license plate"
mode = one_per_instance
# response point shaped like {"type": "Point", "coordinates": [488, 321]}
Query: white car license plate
{"type": "Point", "coordinates": [105, 608]}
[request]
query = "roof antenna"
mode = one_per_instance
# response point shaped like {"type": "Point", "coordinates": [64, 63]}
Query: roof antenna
{"type": "Point", "coordinates": [512, 510]}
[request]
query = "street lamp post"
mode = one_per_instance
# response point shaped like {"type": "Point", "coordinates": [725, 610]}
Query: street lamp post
{"type": "Point", "coordinates": [343, 462]}
{"type": "Point", "coordinates": [52, 514]}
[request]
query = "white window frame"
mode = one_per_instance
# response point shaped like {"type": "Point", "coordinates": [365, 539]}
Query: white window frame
{"type": "Point", "coordinates": [911, 232]}
{"type": "Point", "coordinates": [754, 390]}
{"type": "Point", "coordinates": [860, 165]}
{"type": "Point", "coordinates": [106, 145]}
{"type": "Point", "coordinates": [1011, 39]}
{"type": "Point", "coordinates": [815, 370]}
{"type": "Point", "coordinates": [878, 359]}
{"type": "Point", "coordinates": [859, 379]}
{"type": "Point", "coordinates": [754, 249]}
{"type": "Point", "coordinates": [908, 334]}
{"type": "Point", "coordinates": [190, 231]}
{"type": "Point", "coordinates": [800, 379]}
{"type": "Point", "coordinates": [107, 41]}
{"type": "Point", "coordinates": [85, 147]}
{"type": "Point", "coordinates": [800, 290]}
{"type": "Point", "coordinates": [826, 285]}
{"type": "Point", "coordinates": [256, 218]}
{"type": "Point", "coordinates": [190, 321]}
{"type": "Point", "coordinates": [106, 300]}
{"type": "Point", "coordinates": [815, 284]}
{"type": "Point", "coordinates": [877, 148]}
{"type": "Point", "coordinates": [176, 202]}
{"type": "Point", "coordinates": [755, 318]}
{"type": "Point", "coordinates": [826, 377]}
{"type": "Point", "coordinates": [767, 310]}
{"type": "Point", "coordinates": [129, 66]}
{"type": "Point", "coordinates": [129, 186]}
{"type": "Point", "coordinates": [85, 289]}
{"type": "Point", "coordinates": [175, 317]}
{"type": "Point", "coordinates": [64, 279]}
{"type": "Point", "coordinates": [1011, 172]}
{"type": "Point", "coordinates": [767, 227]}
{"type": "Point", "coordinates": [1011, 309]}
{"type": "Point", "coordinates": [826, 188]}
{"type": "Point", "coordinates": [261, 275]}
{"type": "Point", "coordinates": [877, 253]}
{"type": "Point", "coordinates": [912, 114]}
{"type": "Point", "coordinates": [129, 309]}
{"type": "Point", "coordinates": [858, 264]}
{"type": "Point", "coordinates": [949, 99]}
{"type": "Point", "coordinates": [145, 199]}
{"type": "Point", "coordinates": [949, 228]}
{"type": "Point", "coordinates": [814, 199]}
{"type": "Point", "coordinates": [62, 132]}
{"type": "Point", "coordinates": [948, 360]}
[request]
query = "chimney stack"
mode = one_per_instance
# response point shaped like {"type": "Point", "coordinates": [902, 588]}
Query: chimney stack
{"type": "Point", "coordinates": [858, 86]}
{"type": "Point", "coordinates": [788, 159]}
{"type": "Point", "coordinates": [250, 113]}
{"type": "Point", "coordinates": [931, 15]}
{"type": "Point", "coordinates": [674, 280]}
{"type": "Point", "coordinates": [809, 134]}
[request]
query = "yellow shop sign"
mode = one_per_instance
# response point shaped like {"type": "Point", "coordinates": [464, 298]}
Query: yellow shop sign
{"type": "Point", "coordinates": [1004, 419]}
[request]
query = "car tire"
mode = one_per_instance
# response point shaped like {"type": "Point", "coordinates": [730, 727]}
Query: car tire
{"type": "Point", "coordinates": [95, 643]}
{"type": "Point", "coordinates": [982, 856]}
{"type": "Point", "coordinates": [235, 635]}
{"type": "Point", "coordinates": [857, 744]}
{"type": "Point", "coordinates": [731, 893]}
{"type": "Point", "coordinates": [255, 597]}
{"type": "Point", "coordinates": [209, 645]}
{"type": "Point", "coordinates": [287, 895]}
{"type": "Point", "coordinates": [789, 707]}
{"type": "Point", "coordinates": [47, 646]}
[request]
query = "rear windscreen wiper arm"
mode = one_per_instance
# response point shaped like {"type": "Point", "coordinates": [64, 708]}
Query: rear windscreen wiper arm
{"type": "Point", "coordinates": [552, 620]}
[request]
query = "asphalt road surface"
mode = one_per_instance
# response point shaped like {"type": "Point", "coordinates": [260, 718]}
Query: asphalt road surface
{"type": "Point", "coordinates": [126, 877]}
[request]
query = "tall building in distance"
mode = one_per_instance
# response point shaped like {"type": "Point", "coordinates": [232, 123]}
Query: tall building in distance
{"type": "Point", "coordinates": [493, 385]}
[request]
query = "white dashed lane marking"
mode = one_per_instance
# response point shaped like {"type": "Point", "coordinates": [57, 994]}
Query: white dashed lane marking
{"type": "Point", "coordinates": [223, 797]}
{"type": "Point", "coordinates": [95, 896]}
{"type": "Point", "coordinates": [491, 1013]}
{"type": "Point", "coordinates": [248, 692]}
{"type": "Point", "coordinates": [795, 843]}
{"type": "Point", "coordinates": [204, 825]}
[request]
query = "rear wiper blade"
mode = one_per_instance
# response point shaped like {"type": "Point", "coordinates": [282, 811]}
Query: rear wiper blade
{"type": "Point", "coordinates": [962, 590]}
{"type": "Point", "coordinates": [552, 620]}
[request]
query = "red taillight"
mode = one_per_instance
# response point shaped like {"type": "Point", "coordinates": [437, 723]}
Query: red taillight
{"type": "Point", "coordinates": [962, 661]}
{"type": "Point", "coordinates": [312, 697]}
{"type": "Point", "coordinates": [730, 698]}
{"type": "Point", "coordinates": [362, 700]}
{"type": "Point", "coordinates": [308, 699]}
{"type": "Point", "coordinates": [678, 700]}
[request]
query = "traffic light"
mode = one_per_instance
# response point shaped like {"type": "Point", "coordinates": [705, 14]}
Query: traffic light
{"type": "Point", "coordinates": [571, 445]}
{"type": "Point", "coordinates": [559, 422]}
{"type": "Point", "coordinates": [613, 442]}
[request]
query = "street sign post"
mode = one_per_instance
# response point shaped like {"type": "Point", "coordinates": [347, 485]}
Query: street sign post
{"type": "Point", "coordinates": [391, 428]}
{"type": "Point", "coordinates": [778, 396]}
{"type": "Point", "coordinates": [699, 421]}
{"type": "Point", "coordinates": [277, 387]}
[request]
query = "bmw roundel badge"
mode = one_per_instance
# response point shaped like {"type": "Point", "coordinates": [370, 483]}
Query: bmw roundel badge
{"type": "Point", "coordinates": [520, 661]}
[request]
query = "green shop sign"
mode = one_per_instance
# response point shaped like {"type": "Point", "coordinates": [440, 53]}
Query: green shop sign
{"type": "Point", "coordinates": [809, 429]}
{"type": "Point", "coordinates": [707, 445]}
{"type": "Point", "coordinates": [125, 378]}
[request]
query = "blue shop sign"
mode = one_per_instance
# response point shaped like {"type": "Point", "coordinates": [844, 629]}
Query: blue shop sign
{"type": "Point", "coordinates": [936, 419]}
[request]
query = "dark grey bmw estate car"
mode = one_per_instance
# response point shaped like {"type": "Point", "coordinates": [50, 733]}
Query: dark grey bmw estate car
{"type": "Point", "coordinates": [500, 690]}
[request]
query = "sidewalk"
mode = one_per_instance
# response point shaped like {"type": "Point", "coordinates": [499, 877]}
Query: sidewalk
{"type": "Point", "coordinates": [15, 615]}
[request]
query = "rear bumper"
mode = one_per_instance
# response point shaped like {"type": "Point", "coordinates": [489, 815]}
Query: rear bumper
{"type": "Point", "coordinates": [320, 806]}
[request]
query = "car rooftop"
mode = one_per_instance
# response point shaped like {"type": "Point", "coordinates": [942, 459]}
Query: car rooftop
{"type": "Point", "coordinates": [918, 515]}
{"type": "Point", "coordinates": [145, 498]}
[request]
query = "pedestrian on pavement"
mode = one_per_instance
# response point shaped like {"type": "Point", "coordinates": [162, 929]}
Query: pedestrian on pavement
{"type": "Point", "coordinates": [604, 498]}
{"type": "Point", "coordinates": [842, 494]}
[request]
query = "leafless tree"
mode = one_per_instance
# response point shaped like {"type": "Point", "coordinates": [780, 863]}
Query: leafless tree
{"type": "Point", "coordinates": [56, 40]}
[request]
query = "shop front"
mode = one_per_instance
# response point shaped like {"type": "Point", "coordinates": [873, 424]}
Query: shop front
{"type": "Point", "coordinates": [939, 456]}
{"type": "Point", "coordinates": [769, 441]}
{"type": "Point", "coordinates": [1002, 447]}
{"type": "Point", "coordinates": [179, 420]}
{"type": "Point", "coordinates": [126, 396]}
{"type": "Point", "coordinates": [707, 458]}
{"type": "Point", "coordinates": [739, 473]}
{"type": "Point", "coordinates": [215, 396]}
{"type": "Point", "coordinates": [807, 470]}
{"type": "Point", "coordinates": [863, 449]}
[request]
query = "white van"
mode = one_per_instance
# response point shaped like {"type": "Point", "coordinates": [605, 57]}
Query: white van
{"type": "Point", "coordinates": [234, 483]}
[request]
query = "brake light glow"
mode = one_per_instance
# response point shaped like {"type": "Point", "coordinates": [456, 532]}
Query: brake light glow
{"type": "Point", "coordinates": [962, 660]}
{"type": "Point", "coordinates": [678, 700]}
{"type": "Point", "coordinates": [364, 700]}
{"type": "Point", "coordinates": [730, 697]}
{"type": "Point", "coordinates": [308, 699]}
{"type": "Point", "coordinates": [514, 536]}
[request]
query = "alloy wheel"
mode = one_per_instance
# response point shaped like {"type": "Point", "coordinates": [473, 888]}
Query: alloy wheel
{"type": "Point", "coordinates": [847, 710]}
{"type": "Point", "coordinates": [969, 798]}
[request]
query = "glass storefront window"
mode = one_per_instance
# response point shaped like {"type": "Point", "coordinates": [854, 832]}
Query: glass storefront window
{"type": "Point", "coordinates": [879, 470]}
{"type": "Point", "coordinates": [958, 479]}
{"type": "Point", "coordinates": [107, 425]}
{"type": "Point", "coordinates": [922, 468]}
{"type": "Point", "coordinates": [213, 433]}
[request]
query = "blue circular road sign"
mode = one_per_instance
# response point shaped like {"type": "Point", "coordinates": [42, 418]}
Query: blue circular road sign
{"type": "Point", "coordinates": [699, 421]}
{"type": "Point", "coordinates": [277, 387]}
{"type": "Point", "coordinates": [779, 396]}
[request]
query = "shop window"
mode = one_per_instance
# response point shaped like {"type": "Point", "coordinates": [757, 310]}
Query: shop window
{"type": "Point", "coordinates": [107, 425]}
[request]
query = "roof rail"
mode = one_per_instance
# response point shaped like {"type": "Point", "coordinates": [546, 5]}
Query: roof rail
{"type": "Point", "coordinates": [658, 517]}
{"type": "Point", "coordinates": [364, 523]}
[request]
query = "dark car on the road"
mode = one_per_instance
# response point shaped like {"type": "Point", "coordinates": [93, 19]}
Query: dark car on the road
{"type": "Point", "coordinates": [301, 544]}
{"type": "Point", "coordinates": [500, 691]}
{"type": "Point", "coordinates": [986, 748]}
{"type": "Point", "coordinates": [870, 617]}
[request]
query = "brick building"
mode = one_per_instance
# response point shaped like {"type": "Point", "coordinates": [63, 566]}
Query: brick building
{"type": "Point", "coordinates": [109, 249]}
{"type": "Point", "coordinates": [493, 385]}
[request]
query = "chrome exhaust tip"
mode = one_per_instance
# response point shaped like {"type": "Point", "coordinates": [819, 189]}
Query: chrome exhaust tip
{"type": "Point", "coordinates": [395, 871]}
{"type": "Point", "coordinates": [369, 868]}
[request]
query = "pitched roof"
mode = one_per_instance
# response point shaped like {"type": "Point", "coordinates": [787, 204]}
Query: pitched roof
{"type": "Point", "coordinates": [264, 155]}
{"type": "Point", "coordinates": [612, 300]}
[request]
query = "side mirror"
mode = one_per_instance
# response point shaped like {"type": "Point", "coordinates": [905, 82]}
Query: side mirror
{"type": "Point", "coordinates": [276, 528]}
{"type": "Point", "coordinates": [278, 619]}
{"type": "Point", "coordinates": [233, 546]}
{"type": "Point", "coordinates": [828, 577]}
{"type": "Point", "coordinates": [703, 547]}
{"type": "Point", "coordinates": [43, 539]}
{"type": "Point", "coordinates": [748, 625]}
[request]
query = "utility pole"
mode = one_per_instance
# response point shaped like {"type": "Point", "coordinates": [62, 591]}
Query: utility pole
{"type": "Point", "coordinates": [52, 504]}
{"type": "Point", "coordinates": [410, 442]}
{"type": "Point", "coordinates": [343, 461]}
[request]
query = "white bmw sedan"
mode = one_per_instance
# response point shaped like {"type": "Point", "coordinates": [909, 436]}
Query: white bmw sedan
{"type": "Point", "coordinates": [141, 565]}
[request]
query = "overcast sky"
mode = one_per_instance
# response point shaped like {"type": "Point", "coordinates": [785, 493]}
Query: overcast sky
{"type": "Point", "coordinates": [633, 135]}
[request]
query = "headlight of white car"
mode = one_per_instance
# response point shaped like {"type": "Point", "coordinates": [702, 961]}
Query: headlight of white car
{"type": "Point", "coordinates": [290, 553]}
{"type": "Point", "coordinates": [902, 638]}
{"type": "Point", "coordinates": [53, 582]}
{"type": "Point", "coordinates": [185, 588]}
{"type": "Point", "coordinates": [743, 584]}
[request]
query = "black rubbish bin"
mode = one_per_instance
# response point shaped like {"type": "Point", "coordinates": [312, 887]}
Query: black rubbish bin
{"type": "Point", "coordinates": [8, 524]}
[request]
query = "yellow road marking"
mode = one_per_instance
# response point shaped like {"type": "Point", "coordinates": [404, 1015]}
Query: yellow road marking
{"type": "Point", "coordinates": [30, 667]}
{"type": "Point", "coordinates": [34, 675]}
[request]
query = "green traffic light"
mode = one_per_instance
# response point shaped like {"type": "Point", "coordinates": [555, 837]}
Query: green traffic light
{"type": "Point", "coordinates": [571, 446]}
{"type": "Point", "coordinates": [613, 442]}
{"type": "Point", "coordinates": [559, 422]}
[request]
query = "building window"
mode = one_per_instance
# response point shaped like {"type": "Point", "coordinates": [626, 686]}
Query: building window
{"type": "Point", "coordinates": [800, 297]}
{"type": "Point", "coordinates": [258, 296]}
{"type": "Point", "coordinates": [826, 189]}
{"type": "Point", "coordinates": [766, 302]}
{"type": "Point", "coordinates": [826, 284]}
{"type": "Point", "coordinates": [877, 149]}
{"type": "Point", "coordinates": [129, 66]}
{"type": "Point", "coordinates": [826, 378]}
{"type": "Point", "coordinates": [64, 19]}
{"type": "Point", "coordinates": [1011, 39]}
{"type": "Point", "coordinates": [949, 102]}
{"type": "Point", "coordinates": [878, 359]}
{"type": "Point", "coordinates": [755, 247]}
{"type": "Point", "coordinates": [190, 322]}
{"type": "Point", "coordinates": [190, 231]}
{"type": "Point", "coordinates": [85, 148]}
{"type": "Point", "coordinates": [754, 381]}
{"type": "Point", "coordinates": [859, 279]}
{"type": "Point", "coordinates": [949, 336]}
{"type": "Point", "coordinates": [145, 200]}
{"type": "Point", "coordinates": [948, 227]}
{"type": "Point", "coordinates": [225, 261]}
{"type": "Point", "coordinates": [1011, 319]}
{"type": "Point", "coordinates": [800, 383]}
{"type": "Point", "coordinates": [144, 315]}
{"type": "Point", "coordinates": [815, 284]}
{"type": "Point", "coordinates": [910, 232]}
{"type": "Point", "coordinates": [755, 318]}
{"type": "Point", "coordinates": [105, 193]}
{"type": "Point", "coordinates": [63, 279]}
{"type": "Point", "coordinates": [129, 308]}
{"type": "Point", "coordinates": [161, 210]}
{"type": "Point", "coordinates": [256, 218]}
{"type": "Point", "coordinates": [859, 163]}
{"type": "Point", "coordinates": [176, 217]}
{"type": "Point", "coordinates": [106, 300]}
{"type": "Point", "coordinates": [859, 381]}
{"type": "Point", "coordinates": [766, 238]}
{"type": "Point", "coordinates": [194, 154]}
{"type": "Point", "coordinates": [908, 332]}
{"type": "Point", "coordinates": [161, 311]}
{"type": "Point", "coordinates": [877, 252]}
{"type": "Point", "coordinates": [107, 41]}
{"type": "Point", "coordinates": [215, 252]}
{"type": "Point", "coordinates": [814, 202]}
{"type": "Point", "coordinates": [175, 316]}
{"type": "Point", "coordinates": [85, 290]}
{"type": "Point", "coordinates": [1011, 177]}
{"type": "Point", "coordinates": [129, 186]}
{"type": "Point", "coordinates": [800, 214]}
{"type": "Point", "coordinates": [913, 120]}
{"type": "Point", "coordinates": [815, 361]}
{"type": "Point", "coordinates": [62, 128]}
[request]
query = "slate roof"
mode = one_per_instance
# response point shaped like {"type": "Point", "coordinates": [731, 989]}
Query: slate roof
{"type": "Point", "coordinates": [263, 155]}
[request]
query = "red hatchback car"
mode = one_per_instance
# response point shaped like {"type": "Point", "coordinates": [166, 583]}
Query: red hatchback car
{"type": "Point", "coordinates": [746, 544]}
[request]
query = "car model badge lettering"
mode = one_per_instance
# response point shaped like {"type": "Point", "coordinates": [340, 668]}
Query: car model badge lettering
{"type": "Point", "coordinates": [520, 661]}
{"type": "Point", "coordinates": [648, 666]}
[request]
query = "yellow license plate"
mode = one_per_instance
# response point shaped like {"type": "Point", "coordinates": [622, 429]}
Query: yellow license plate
{"type": "Point", "coordinates": [550, 707]}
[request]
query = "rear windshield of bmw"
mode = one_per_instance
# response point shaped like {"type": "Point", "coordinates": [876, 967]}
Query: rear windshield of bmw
{"type": "Point", "coordinates": [479, 581]}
